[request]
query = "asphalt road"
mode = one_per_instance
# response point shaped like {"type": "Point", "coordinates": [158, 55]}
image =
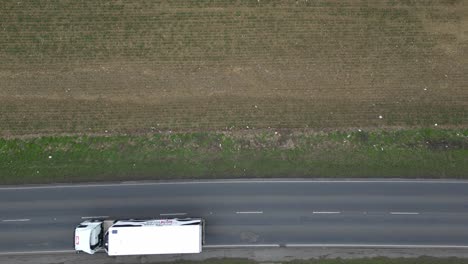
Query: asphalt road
{"type": "Point", "coordinates": [271, 213]}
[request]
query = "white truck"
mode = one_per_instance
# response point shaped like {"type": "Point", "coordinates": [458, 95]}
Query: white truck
{"type": "Point", "coordinates": [140, 237]}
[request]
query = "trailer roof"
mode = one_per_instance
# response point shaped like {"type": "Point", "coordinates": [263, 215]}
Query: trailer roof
{"type": "Point", "coordinates": [154, 239]}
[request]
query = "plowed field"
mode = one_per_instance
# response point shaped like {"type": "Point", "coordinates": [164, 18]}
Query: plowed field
{"type": "Point", "coordinates": [77, 66]}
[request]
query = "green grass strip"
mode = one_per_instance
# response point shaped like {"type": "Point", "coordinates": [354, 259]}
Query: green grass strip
{"type": "Point", "coordinates": [421, 153]}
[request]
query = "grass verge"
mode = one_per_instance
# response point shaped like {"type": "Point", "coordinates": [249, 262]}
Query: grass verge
{"type": "Point", "coordinates": [436, 153]}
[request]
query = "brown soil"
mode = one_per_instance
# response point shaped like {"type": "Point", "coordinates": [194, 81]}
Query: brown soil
{"type": "Point", "coordinates": [141, 66]}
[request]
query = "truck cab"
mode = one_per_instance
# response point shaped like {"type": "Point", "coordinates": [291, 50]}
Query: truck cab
{"type": "Point", "coordinates": [89, 236]}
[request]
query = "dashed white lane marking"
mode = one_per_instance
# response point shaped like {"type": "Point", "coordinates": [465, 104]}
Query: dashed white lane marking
{"type": "Point", "coordinates": [16, 220]}
{"type": "Point", "coordinates": [93, 217]}
{"type": "Point", "coordinates": [250, 212]}
{"type": "Point", "coordinates": [172, 214]}
{"type": "Point", "coordinates": [404, 213]}
{"type": "Point", "coordinates": [326, 212]}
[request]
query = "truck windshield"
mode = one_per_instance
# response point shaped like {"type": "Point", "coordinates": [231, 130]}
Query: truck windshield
{"type": "Point", "coordinates": [106, 241]}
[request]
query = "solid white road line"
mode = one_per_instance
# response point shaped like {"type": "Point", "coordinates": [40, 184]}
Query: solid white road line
{"type": "Point", "coordinates": [94, 217]}
{"type": "Point", "coordinates": [326, 212]}
{"type": "Point", "coordinates": [251, 212]}
{"type": "Point", "coordinates": [172, 214]}
{"type": "Point", "coordinates": [377, 245]}
{"type": "Point", "coordinates": [233, 181]}
{"type": "Point", "coordinates": [36, 252]}
{"type": "Point", "coordinates": [16, 220]}
{"type": "Point", "coordinates": [404, 213]}
{"type": "Point", "coordinates": [270, 245]}
{"type": "Point", "coordinates": [241, 246]}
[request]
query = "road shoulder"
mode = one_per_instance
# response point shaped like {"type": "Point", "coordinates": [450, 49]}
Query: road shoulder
{"type": "Point", "coordinates": [261, 255]}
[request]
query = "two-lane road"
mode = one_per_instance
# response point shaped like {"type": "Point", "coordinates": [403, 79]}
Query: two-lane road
{"type": "Point", "coordinates": [238, 213]}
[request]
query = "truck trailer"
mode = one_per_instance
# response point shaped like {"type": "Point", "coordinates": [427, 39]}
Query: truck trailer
{"type": "Point", "coordinates": [140, 237]}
